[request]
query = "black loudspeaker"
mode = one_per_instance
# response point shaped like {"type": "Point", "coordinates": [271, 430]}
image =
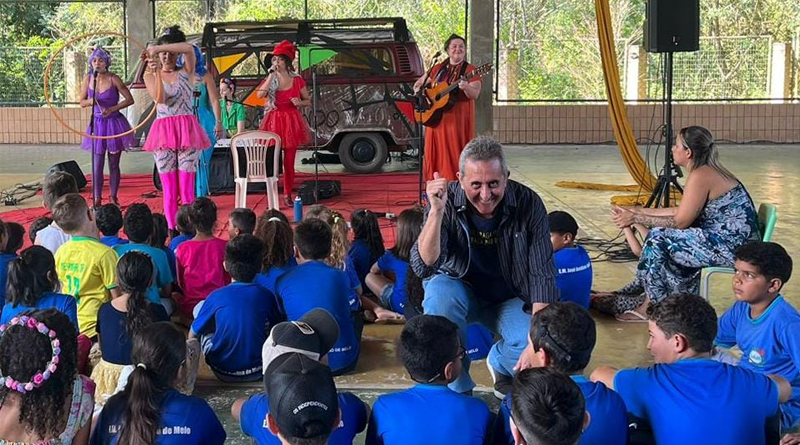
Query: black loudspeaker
{"type": "Point", "coordinates": [672, 26]}
{"type": "Point", "coordinates": [327, 189]}
{"type": "Point", "coordinates": [220, 174]}
{"type": "Point", "coordinates": [72, 168]}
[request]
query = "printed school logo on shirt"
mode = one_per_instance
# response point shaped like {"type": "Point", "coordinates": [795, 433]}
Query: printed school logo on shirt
{"type": "Point", "coordinates": [757, 357]}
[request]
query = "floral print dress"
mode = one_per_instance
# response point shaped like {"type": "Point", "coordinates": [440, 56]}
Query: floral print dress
{"type": "Point", "coordinates": [672, 259]}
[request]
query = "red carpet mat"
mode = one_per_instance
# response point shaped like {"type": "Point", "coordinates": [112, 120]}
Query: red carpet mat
{"type": "Point", "coordinates": [382, 192]}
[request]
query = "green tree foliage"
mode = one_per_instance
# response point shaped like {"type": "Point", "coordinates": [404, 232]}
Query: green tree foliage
{"type": "Point", "coordinates": [552, 43]}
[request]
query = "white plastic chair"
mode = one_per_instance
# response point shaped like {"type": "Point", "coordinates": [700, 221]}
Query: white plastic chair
{"type": "Point", "coordinates": [255, 145]}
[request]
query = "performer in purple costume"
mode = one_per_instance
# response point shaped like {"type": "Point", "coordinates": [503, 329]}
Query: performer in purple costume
{"type": "Point", "coordinates": [108, 121]}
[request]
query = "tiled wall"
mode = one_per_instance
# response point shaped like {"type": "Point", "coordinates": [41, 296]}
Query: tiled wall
{"type": "Point", "coordinates": [524, 124]}
{"type": "Point", "coordinates": [590, 124]}
{"type": "Point", "coordinates": [39, 126]}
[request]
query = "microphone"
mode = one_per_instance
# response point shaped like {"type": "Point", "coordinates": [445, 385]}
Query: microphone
{"type": "Point", "coordinates": [438, 53]}
{"type": "Point", "coordinates": [271, 69]}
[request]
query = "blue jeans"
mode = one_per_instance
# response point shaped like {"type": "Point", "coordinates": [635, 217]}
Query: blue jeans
{"type": "Point", "coordinates": [455, 300]}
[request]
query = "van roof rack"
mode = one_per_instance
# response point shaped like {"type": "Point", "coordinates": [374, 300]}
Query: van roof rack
{"type": "Point", "coordinates": [221, 37]}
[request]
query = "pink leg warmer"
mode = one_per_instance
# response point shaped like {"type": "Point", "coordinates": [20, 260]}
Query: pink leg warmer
{"type": "Point", "coordinates": [186, 186]}
{"type": "Point", "coordinates": [169, 184]}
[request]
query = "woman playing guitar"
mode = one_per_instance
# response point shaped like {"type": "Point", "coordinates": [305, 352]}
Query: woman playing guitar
{"type": "Point", "coordinates": [445, 141]}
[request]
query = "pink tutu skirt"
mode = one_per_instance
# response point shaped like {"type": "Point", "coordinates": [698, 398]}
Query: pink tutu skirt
{"type": "Point", "coordinates": [289, 125]}
{"type": "Point", "coordinates": [176, 133]}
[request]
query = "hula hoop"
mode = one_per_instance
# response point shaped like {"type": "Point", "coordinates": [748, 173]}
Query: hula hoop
{"type": "Point", "coordinates": [50, 103]}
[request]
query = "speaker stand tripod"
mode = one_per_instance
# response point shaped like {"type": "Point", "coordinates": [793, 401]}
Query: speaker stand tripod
{"type": "Point", "coordinates": [670, 173]}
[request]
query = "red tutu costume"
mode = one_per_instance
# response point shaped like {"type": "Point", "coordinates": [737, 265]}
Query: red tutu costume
{"type": "Point", "coordinates": [287, 122]}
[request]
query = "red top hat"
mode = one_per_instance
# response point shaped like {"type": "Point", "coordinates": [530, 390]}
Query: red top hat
{"type": "Point", "coordinates": [285, 48]}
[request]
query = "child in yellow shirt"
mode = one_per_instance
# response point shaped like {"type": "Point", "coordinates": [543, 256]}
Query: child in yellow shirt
{"type": "Point", "coordinates": [85, 266]}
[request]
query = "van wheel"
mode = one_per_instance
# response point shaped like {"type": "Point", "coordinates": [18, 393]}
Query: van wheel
{"type": "Point", "coordinates": [363, 152]}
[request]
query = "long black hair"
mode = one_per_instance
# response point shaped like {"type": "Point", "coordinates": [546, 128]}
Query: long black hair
{"type": "Point", "coordinates": [160, 231]}
{"type": "Point", "coordinates": [135, 275]}
{"type": "Point", "coordinates": [30, 275]}
{"type": "Point", "coordinates": [366, 228]}
{"type": "Point", "coordinates": [158, 353]}
{"type": "Point", "coordinates": [24, 352]}
{"type": "Point", "coordinates": [15, 234]}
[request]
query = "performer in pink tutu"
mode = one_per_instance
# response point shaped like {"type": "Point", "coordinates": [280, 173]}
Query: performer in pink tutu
{"type": "Point", "coordinates": [176, 137]}
{"type": "Point", "coordinates": [285, 91]}
{"type": "Point", "coordinates": [108, 121]}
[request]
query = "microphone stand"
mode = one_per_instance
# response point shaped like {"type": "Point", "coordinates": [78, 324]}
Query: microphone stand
{"type": "Point", "coordinates": [91, 133]}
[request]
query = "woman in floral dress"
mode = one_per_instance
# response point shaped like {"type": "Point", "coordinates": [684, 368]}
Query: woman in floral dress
{"type": "Point", "coordinates": [716, 215]}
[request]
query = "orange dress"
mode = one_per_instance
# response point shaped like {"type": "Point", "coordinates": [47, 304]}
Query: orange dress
{"type": "Point", "coordinates": [445, 141]}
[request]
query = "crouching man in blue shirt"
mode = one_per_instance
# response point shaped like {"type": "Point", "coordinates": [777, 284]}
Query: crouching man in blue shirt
{"type": "Point", "coordinates": [686, 396]}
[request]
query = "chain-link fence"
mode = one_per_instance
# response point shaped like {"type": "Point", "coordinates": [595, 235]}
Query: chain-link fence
{"type": "Point", "coordinates": [725, 67]}
{"type": "Point", "coordinates": [22, 74]}
{"type": "Point", "coordinates": [565, 70]}
{"type": "Point", "coordinates": [549, 52]}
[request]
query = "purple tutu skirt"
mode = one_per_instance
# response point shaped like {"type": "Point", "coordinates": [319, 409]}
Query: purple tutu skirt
{"type": "Point", "coordinates": [109, 126]}
{"type": "Point", "coordinates": [176, 133]}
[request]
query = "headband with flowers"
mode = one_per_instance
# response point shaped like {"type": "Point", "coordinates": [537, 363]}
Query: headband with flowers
{"type": "Point", "coordinates": [40, 377]}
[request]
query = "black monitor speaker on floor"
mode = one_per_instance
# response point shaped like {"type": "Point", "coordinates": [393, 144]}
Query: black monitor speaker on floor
{"type": "Point", "coordinates": [72, 168]}
{"type": "Point", "coordinates": [672, 26]}
{"type": "Point", "coordinates": [220, 174]}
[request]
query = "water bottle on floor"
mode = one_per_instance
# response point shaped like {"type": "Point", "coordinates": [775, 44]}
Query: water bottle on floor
{"type": "Point", "coordinates": [298, 209]}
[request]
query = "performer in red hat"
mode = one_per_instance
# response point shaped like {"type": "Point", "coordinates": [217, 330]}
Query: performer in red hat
{"type": "Point", "coordinates": [285, 91]}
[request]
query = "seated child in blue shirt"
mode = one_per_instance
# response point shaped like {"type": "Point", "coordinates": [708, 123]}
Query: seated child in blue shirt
{"type": "Point", "coordinates": [761, 322]}
{"type": "Point", "coordinates": [573, 266]}
{"type": "Point", "coordinates": [387, 277]}
{"type": "Point", "coordinates": [340, 257]}
{"type": "Point", "coordinates": [367, 244]}
{"type": "Point", "coordinates": [159, 240]}
{"type": "Point", "coordinates": [562, 338]}
{"type": "Point", "coordinates": [233, 321]}
{"type": "Point", "coordinates": [121, 319]}
{"type": "Point", "coordinates": [315, 284]}
{"type": "Point", "coordinates": [313, 336]}
{"type": "Point", "coordinates": [184, 226]}
{"type": "Point", "coordinates": [150, 409]}
{"type": "Point", "coordinates": [32, 281]}
{"type": "Point", "coordinates": [275, 232]}
{"type": "Point", "coordinates": [241, 220]}
{"type": "Point", "coordinates": [688, 397]}
{"type": "Point", "coordinates": [429, 412]}
{"type": "Point", "coordinates": [109, 221]}
{"type": "Point", "coordinates": [548, 407]}
{"type": "Point", "coordinates": [138, 226]}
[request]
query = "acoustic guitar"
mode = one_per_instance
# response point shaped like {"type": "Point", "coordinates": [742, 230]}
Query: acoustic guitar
{"type": "Point", "coordinates": [438, 98]}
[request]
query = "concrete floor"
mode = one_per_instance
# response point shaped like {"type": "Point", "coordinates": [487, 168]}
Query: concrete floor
{"type": "Point", "coordinates": [770, 173]}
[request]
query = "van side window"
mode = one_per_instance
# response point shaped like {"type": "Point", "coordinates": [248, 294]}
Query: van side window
{"type": "Point", "coordinates": [358, 62]}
